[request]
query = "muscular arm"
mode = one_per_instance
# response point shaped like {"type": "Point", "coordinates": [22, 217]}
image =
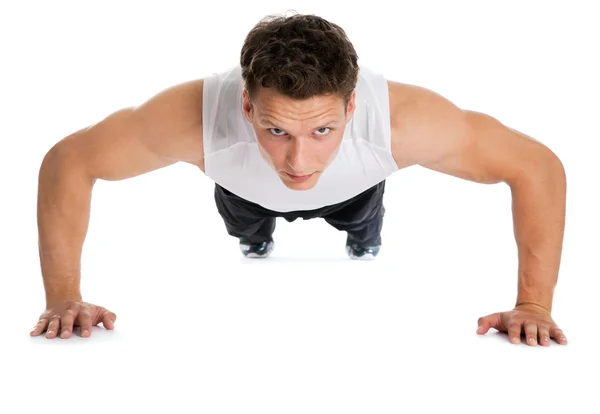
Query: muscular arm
{"type": "Point", "coordinates": [430, 131]}
{"type": "Point", "coordinates": [132, 141]}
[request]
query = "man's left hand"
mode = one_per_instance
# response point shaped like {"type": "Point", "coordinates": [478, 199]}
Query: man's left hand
{"type": "Point", "coordinates": [533, 320]}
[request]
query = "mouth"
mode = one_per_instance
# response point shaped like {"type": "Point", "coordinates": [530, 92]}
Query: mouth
{"type": "Point", "coordinates": [299, 178]}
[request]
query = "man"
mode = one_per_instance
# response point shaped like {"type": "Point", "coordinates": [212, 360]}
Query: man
{"type": "Point", "coordinates": [299, 130]}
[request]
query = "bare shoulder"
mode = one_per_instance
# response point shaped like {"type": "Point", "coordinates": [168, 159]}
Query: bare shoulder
{"type": "Point", "coordinates": [175, 112]}
{"type": "Point", "coordinates": [418, 117]}
{"type": "Point", "coordinates": [430, 131]}
{"type": "Point", "coordinates": [163, 130]}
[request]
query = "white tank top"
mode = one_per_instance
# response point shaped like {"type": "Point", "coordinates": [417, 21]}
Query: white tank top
{"type": "Point", "coordinates": [232, 158]}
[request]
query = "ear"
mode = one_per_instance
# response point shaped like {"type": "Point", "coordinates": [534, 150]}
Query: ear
{"type": "Point", "coordinates": [247, 106]}
{"type": "Point", "coordinates": [351, 106]}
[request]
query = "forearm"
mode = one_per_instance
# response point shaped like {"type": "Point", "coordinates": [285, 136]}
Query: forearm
{"type": "Point", "coordinates": [63, 210]}
{"type": "Point", "coordinates": [539, 205]}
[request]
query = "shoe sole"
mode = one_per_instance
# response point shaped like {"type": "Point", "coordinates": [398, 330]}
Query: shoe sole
{"type": "Point", "coordinates": [367, 256]}
{"type": "Point", "coordinates": [257, 256]}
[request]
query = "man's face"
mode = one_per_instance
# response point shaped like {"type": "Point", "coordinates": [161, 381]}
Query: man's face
{"type": "Point", "coordinates": [298, 139]}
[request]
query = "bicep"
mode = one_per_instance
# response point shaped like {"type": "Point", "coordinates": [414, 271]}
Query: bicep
{"type": "Point", "coordinates": [111, 149]}
{"type": "Point", "coordinates": [484, 150]}
{"type": "Point", "coordinates": [163, 130]}
{"type": "Point", "coordinates": [433, 132]}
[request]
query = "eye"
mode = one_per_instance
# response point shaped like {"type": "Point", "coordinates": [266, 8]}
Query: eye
{"type": "Point", "coordinates": [277, 129]}
{"type": "Point", "coordinates": [320, 129]}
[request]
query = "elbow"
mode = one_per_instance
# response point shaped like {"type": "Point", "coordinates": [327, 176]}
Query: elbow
{"type": "Point", "coordinates": [56, 157]}
{"type": "Point", "coordinates": [60, 159]}
{"type": "Point", "coordinates": [548, 171]}
{"type": "Point", "coordinates": [554, 166]}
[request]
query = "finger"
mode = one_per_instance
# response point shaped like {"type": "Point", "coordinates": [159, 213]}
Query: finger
{"type": "Point", "coordinates": [486, 322]}
{"type": "Point", "coordinates": [531, 332]}
{"type": "Point", "coordinates": [108, 320]}
{"type": "Point", "coordinates": [39, 327]}
{"type": "Point", "coordinates": [544, 335]}
{"type": "Point", "coordinates": [558, 335]}
{"type": "Point", "coordinates": [53, 327]}
{"type": "Point", "coordinates": [66, 323]}
{"type": "Point", "coordinates": [85, 322]}
{"type": "Point", "coordinates": [514, 332]}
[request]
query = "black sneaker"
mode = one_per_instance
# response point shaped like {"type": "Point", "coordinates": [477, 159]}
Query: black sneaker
{"type": "Point", "coordinates": [256, 250]}
{"type": "Point", "coordinates": [358, 252]}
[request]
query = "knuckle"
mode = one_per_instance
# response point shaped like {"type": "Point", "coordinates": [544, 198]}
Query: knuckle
{"type": "Point", "coordinates": [68, 313]}
{"type": "Point", "coordinates": [74, 307]}
{"type": "Point", "coordinates": [85, 314]}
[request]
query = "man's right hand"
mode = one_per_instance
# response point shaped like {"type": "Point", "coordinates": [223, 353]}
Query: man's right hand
{"type": "Point", "coordinates": [65, 315]}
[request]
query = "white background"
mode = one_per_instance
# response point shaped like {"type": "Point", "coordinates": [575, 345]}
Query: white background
{"type": "Point", "coordinates": [308, 330]}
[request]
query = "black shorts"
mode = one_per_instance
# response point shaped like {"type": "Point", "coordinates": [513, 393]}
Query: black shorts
{"type": "Point", "coordinates": [360, 216]}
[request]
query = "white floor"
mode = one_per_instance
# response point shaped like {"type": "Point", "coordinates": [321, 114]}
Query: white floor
{"type": "Point", "coordinates": [201, 329]}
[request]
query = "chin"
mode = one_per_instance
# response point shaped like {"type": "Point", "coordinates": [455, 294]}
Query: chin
{"type": "Point", "coordinates": [300, 186]}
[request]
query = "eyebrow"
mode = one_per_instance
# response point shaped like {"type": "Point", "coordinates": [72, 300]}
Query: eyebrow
{"type": "Point", "coordinates": [324, 123]}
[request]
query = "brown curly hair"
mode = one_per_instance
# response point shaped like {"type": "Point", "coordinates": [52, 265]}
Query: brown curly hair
{"type": "Point", "coordinates": [301, 56]}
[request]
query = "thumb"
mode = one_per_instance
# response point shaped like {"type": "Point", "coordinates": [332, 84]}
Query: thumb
{"type": "Point", "coordinates": [486, 322]}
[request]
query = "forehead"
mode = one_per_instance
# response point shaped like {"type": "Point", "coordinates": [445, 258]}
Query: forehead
{"type": "Point", "coordinates": [268, 100]}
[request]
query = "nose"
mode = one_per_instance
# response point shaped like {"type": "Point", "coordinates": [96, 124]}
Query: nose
{"type": "Point", "coordinates": [296, 158]}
